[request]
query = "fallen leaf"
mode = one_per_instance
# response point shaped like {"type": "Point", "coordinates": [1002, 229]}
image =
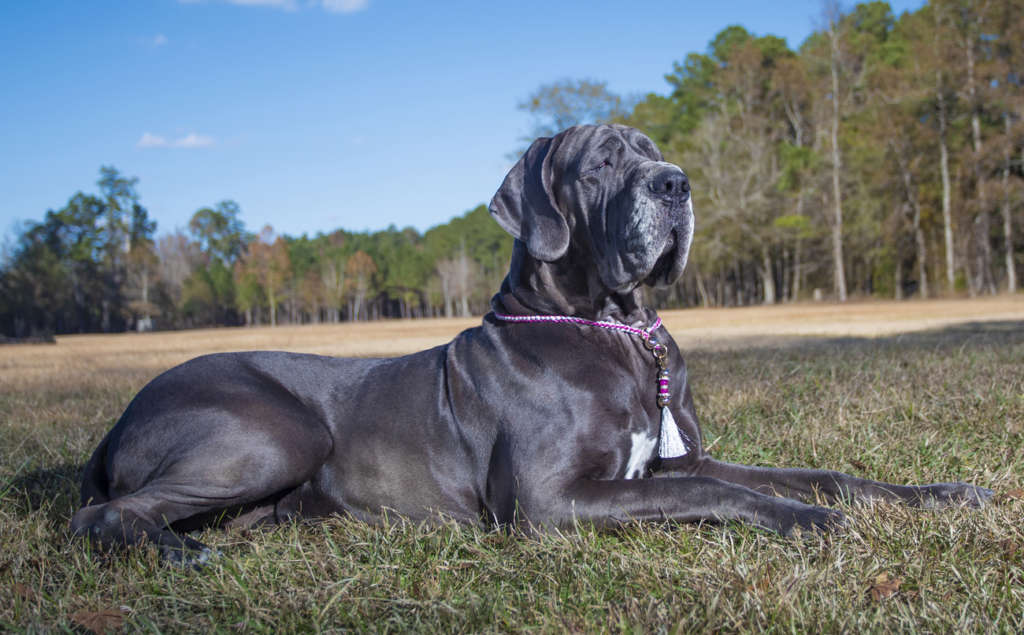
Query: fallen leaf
{"type": "Point", "coordinates": [857, 464]}
{"type": "Point", "coordinates": [884, 588]}
{"type": "Point", "coordinates": [1015, 494]}
{"type": "Point", "coordinates": [103, 621]}
{"type": "Point", "coordinates": [23, 591]}
{"type": "Point", "coordinates": [1010, 547]}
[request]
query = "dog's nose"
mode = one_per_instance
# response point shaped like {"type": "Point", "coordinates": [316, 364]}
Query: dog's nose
{"type": "Point", "coordinates": [671, 182]}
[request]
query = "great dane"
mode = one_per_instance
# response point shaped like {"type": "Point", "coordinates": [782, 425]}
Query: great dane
{"type": "Point", "coordinates": [555, 410]}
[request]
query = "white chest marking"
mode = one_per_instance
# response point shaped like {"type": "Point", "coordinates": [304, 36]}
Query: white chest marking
{"type": "Point", "coordinates": [640, 452]}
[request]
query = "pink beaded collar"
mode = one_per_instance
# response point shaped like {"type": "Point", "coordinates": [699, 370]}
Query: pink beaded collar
{"type": "Point", "coordinates": [671, 442]}
{"type": "Point", "coordinates": [563, 319]}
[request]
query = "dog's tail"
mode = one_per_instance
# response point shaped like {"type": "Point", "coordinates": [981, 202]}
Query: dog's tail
{"type": "Point", "coordinates": [95, 481]}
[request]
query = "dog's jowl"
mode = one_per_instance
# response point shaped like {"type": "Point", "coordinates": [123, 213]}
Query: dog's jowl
{"type": "Point", "coordinates": [570, 402]}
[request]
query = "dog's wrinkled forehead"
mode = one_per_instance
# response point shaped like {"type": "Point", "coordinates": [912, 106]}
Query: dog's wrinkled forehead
{"type": "Point", "coordinates": [588, 147]}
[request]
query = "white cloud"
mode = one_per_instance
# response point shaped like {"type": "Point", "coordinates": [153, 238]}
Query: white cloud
{"type": "Point", "coordinates": [150, 140]}
{"type": "Point", "coordinates": [344, 6]}
{"type": "Point", "coordinates": [159, 40]}
{"type": "Point", "coordinates": [193, 140]}
{"type": "Point", "coordinates": [190, 140]}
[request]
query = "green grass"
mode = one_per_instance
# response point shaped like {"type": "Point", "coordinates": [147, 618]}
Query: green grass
{"type": "Point", "coordinates": [946, 405]}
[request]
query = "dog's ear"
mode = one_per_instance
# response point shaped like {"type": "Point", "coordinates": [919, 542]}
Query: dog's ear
{"type": "Point", "coordinates": [525, 204]}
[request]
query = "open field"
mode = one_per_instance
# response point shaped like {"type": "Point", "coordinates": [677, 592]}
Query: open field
{"type": "Point", "coordinates": [902, 392]}
{"type": "Point", "coordinates": [693, 329]}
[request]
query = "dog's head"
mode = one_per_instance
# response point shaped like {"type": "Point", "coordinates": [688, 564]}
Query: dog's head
{"type": "Point", "coordinates": [605, 192]}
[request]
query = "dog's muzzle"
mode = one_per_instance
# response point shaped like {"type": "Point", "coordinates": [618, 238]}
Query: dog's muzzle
{"type": "Point", "coordinates": [668, 188]}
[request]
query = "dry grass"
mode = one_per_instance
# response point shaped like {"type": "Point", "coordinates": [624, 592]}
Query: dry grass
{"type": "Point", "coordinates": [78, 356]}
{"type": "Point", "coordinates": [944, 404]}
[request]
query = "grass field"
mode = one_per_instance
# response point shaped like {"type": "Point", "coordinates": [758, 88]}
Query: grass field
{"type": "Point", "coordinates": [859, 388]}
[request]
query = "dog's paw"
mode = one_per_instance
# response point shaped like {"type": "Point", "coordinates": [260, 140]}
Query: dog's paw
{"type": "Point", "coordinates": [794, 517]}
{"type": "Point", "coordinates": [818, 519]}
{"type": "Point", "coordinates": [946, 494]}
{"type": "Point", "coordinates": [187, 554]}
{"type": "Point", "coordinates": [188, 558]}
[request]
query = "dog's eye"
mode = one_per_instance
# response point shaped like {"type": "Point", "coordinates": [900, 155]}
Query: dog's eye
{"type": "Point", "coordinates": [593, 170]}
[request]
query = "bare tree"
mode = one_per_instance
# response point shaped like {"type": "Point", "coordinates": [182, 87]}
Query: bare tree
{"type": "Point", "coordinates": [141, 274]}
{"type": "Point", "coordinates": [446, 276]}
{"type": "Point", "coordinates": [1006, 206]}
{"type": "Point", "coordinates": [178, 257]}
{"type": "Point", "coordinates": [360, 267]}
{"type": "Point", "coordinates": [457, 276]}
{"type": "Point", "coordinates": [942, 118]}
{"type": "Point", "coordinates": [267, 258]}
{"type": "Point", "coordinates": [569, 102]}
{"type": "Point", "coordinates": [898, 146]}
{"type": "Point", "coordinates": [833, 16]}
{"type": "Point", "coordinates": [311, 295]}
{"type": "Point", "coordinates": [332, 275]}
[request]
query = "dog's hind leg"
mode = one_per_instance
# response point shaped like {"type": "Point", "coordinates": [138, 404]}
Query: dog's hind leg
{"type": "Point", "coordinates": [157, 483]}
{"type": "Point", "coordinates": [148, 515]}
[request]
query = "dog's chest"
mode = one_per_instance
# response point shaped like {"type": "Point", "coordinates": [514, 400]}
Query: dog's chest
{"type": "Point", "coordinates": [641, 451]}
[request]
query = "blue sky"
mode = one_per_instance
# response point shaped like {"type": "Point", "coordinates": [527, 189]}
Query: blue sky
{"type": "Point", "coordinates": [317, 114]}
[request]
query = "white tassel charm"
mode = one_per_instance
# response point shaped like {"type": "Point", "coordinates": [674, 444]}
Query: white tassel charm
{"type": "Point", "coordinates": [670, 444]}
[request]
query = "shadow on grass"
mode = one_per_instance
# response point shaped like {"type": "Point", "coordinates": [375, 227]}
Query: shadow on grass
{"type": "Point", "coordinates": [955, 336]}
{"type": "Point", "coordinates": [968, 333]}
{"type": "Point", "coordinates": [54, 490]}
{"type": "Point", "coordinates": [1013, 328]}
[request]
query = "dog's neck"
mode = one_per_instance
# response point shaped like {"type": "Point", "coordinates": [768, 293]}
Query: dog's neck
{"type": "Point", "coordinates": [564, 287]}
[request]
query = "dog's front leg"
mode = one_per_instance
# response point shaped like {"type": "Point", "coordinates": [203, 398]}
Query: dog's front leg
{"type": "Point", "coordinates": [688, 499]}
{"type": "Point", "coordinates": [836, 486]}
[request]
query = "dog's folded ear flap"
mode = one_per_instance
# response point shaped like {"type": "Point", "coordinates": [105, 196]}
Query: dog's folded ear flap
{"type": "Point", "coordinates": [525, 204]}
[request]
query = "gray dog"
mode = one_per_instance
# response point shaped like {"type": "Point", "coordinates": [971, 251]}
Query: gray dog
{"type": "Point", "coordinates": [569, 403]}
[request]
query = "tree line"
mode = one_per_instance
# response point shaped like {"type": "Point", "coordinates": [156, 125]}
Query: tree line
{"type": "Point", "coordinates": [96, 265]}
{"type": "Point", "coordinates": [883, 157]}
